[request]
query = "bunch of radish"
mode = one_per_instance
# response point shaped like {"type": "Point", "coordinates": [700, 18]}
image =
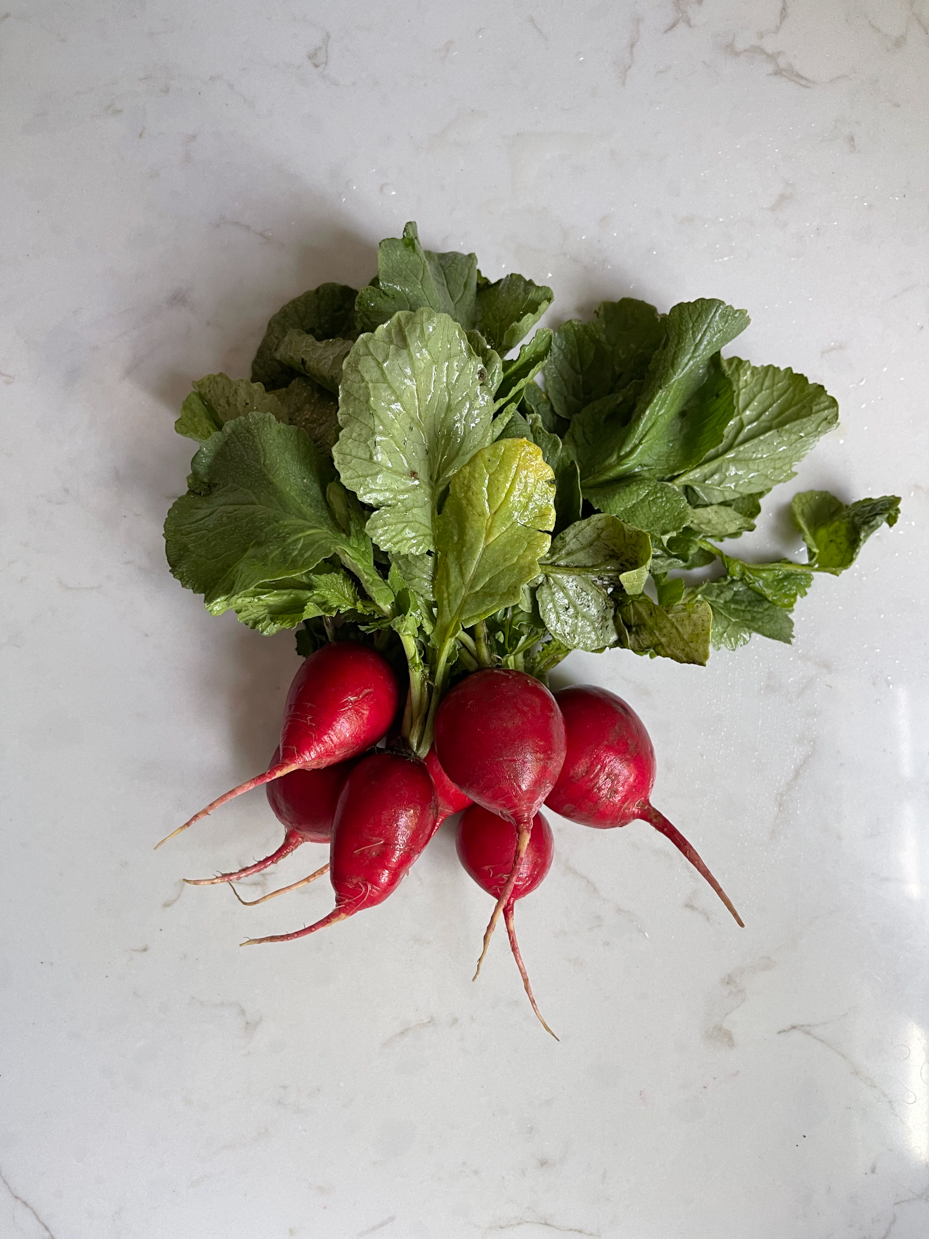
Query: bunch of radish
{"type": "Point", "coordinates": [504, 745]}
{"type": "Point", "coordinates": [443, 507]}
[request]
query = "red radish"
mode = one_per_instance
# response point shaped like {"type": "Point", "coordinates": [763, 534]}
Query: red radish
{"type": "Point", "coordinates": [340, 702]}
{"type": "Point", "coordinates": [486, 848]}
{"type": "Point", "coordinates": [450, 799]}
{"type": "Point", "coordinates": [609, 771]}
{"type": "Point", "coordinates": [305, 802]}
{"type": "Point", "coordinates": [500, 738]}
{"type": "Point", "coordinates": [385, 817]}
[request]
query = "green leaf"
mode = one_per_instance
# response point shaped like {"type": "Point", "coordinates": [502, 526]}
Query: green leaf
{"type": "Point", "coordinates": [522, 369]}
{"type": "Point", "coordinates": [493, 366]}
{"type": "Point", "coordinates": [657, 507]}
{"type": "Point", "coordinates": [682, 550]}
{"type": "Point", "coordinates": [507, 310]}
{"type": "Point", "coordinates": [739, 610]}
{"type": "Point", "coordinates": [317, 359]}
{"type": "Point", "coordinates": [595, 359]}
{"type": "Point", "coordinates": [510, 424]}
{"type": "Point", "coordinates": [418, 571]}
{"type": "Point", "coordinates": [411, 278]}
{"type": "Point", "coordinates": [835, 532]}
{"type": "Point", "coordinates": [197, 420]}
{"type": "Point", "coordinates": [326, 312]}
{"type": "Point", "coordinates": [268, 610]}
{"type": "Point", "coordinates": [584, 561]}
{"type": "Point", "coordinates": [217, 399]}
{"type": "Point", "coordinates": [357, 551]}
{"type": "Point", "coordinates": [534, 400]}
{"type": "Point", "coordinates": [670, 590]}
{"type": "Point", "coordinates": [313, 410]}
{"type": "Point", "coordinates": [491, 534]}
{"type": "Point", "coordinates": [680, 631]}
{"type": "Point", "coordinates": [782, 582]}
{"type": "Point", "coordinates": [717, 520]}
{"type": "Point", "coordinates": [568, 499]}
{"type": "Point", "coordinates": [779, 415]}
{"type": "Point", "coordinates": [257, 515]}
{"type": "Point", "coordinates": [413, 412]}
{"type": "Point", "coordinates": [696, 428]}
{"type": "Point", "coordinates": [694, 332]}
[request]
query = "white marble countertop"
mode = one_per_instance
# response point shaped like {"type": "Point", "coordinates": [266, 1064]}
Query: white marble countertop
{"type": "Point", "coordinates": [172, 173]}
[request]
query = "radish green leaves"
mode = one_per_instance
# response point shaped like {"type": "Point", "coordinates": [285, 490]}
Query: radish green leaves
{"type": "Point", "coordinates": [394, 468]}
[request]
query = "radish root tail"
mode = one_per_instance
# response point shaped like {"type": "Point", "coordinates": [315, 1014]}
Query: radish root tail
{"type": "Point", "coordinates": [514, 947]}
{"type": "Point", "coordinates": [269, 776]}
{"type": "Point", "coordinates": [292, 841]}
{"type": "Point", "coordinates": [281, 890]}
{"type": "Point", "coordinates": [651, 815]}
{"type": "Point", "coordinates": [337, 914]}
{"type": "Point", "coordinates": [525, 829]}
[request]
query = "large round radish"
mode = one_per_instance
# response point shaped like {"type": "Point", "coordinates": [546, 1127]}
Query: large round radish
{"type": "Point", "coordinates": [486, 848]}
{"type": "Point", "coordinates": [501, 739]}
{"type": "Point", "coordinates": [385, 817]}
{"type": "Point", "coordinates": [340, 702]}
{"type": "Point", "coordinates": [449, 798]}
{"type": "Point", "coordinates": [609, 770]}
{"type": "Point", "coordinates": [304, 801]}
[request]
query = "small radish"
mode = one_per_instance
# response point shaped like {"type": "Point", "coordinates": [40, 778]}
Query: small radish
{"type": "Point", "coordinates": [500, 738]}
{"type": "Point", "coordinates": [450, 799]}
{"type": "Point", "coordinates": [340, 702]}
{"type": "Point", "coordinates": [486, 848]}
{"type": "Point", "coordinates": [385, 817]}
{"type": "Point", "coordinates": [305, 802]}
{"type": "Point", "coordinates": [609, 771]}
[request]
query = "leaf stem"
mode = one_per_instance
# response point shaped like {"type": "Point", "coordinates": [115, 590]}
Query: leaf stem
{"type": "Point", "coordinates": [485, 657]}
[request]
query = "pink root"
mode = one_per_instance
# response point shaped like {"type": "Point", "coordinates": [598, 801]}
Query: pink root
{"type": "Point", "coordinates": [269, 776]}
{"type": "Point", "coordinates": [337, 914]}
{"type": "Point", "coordinates": [292, 841]}
{"type": "Point", "coordinates": [281, 890]}
{"type": "Point", "coordinates": [651, 815]}
{"type": "Point", "coordinates": [522, 842]}
{"type": "Point", "coordinates": [514, 947]}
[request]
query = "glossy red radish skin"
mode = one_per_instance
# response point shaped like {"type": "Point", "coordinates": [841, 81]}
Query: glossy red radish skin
{"type": "Point", "coordinates": [486, 848]}
{"type": "Point", "coordinates": [500, 737]}
{"type": "Point", "coordinates": [449, 798]}
{"type": "Point", "coordinates": [385, 817]}
{"type": "Point", "coordinates": [305, 802]}
{"type": "Point", "coordinates": [340, 702]}
{"type": "Point", "coordinates": [609, 769]}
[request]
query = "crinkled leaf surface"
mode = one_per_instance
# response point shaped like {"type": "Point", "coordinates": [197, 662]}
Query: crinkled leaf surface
{"type": "Point", "coordinates": [315, 411]}
{"type": "Point", "coordinates": [320, 360]}
{"type": "Point", "coordinates": [835, 532]}
{"type": "Point", "coordinates": [257, 514]}
{"type": "Point", "coordinates": [739, 610]}
{"type": "Point", "coordinates": [680, 631]}
{"type": "Point", "coordinates": [325, 312]}
{"type": "Point", "coordinates": [657, 507]}
{"type": "Point", "coordinates": [507, 310]}
{"type": "Point", "coordinates": [491, 533]}
{"type": "Point", "coordinates": [584, 561]}
{"type": "Point", "coordinates": [693, 333]}
{"type": "Point", "coordinates": [595, 359]}
{"type": "Point", "coordinates": [217, 399]}
{"type": "Point", "coordinates": [410, 278]}
{"type": "Point", "coordinates": [413, 411]}
{"type": "Point", "coordinates": [779, 415]}
{"type": "Point", "coordinates": [780, 582]}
